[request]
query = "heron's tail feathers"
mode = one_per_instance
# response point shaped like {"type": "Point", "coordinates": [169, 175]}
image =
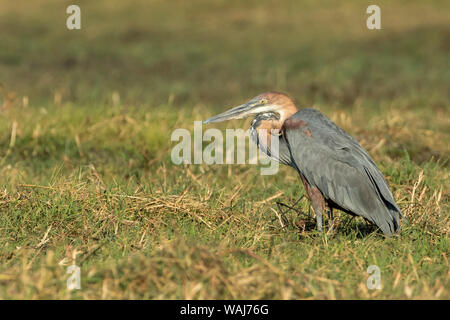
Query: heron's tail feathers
{"type": "Point", "coordinates": [392, 212]}
{"type": "Point", "coordinates": [391, 223]}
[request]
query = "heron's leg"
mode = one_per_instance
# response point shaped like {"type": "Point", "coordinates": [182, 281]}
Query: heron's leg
{"type": "Point", "coordinates": [318, 212]}
{"type": "Point", "coordinates": [317, 201]}
{"type": "Point", "coordinates": [318, 204]}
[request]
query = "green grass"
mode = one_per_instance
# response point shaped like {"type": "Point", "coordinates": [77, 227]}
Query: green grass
{"type": "Point", "coordinates": [85, 169]}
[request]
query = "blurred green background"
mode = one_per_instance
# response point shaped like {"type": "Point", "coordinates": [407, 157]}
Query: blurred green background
{"type": "Point", "coordinates": [85, 123]}
{"type": "Point", "coordinates": [219, 52]}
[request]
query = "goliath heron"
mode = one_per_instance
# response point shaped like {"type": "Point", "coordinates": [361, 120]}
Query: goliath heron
{"type": "Point", "coordinates": [337, 173]}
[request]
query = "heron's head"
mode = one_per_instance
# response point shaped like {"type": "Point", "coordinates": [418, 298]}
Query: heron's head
{"type": "Point", "coordinates": [269, 102]}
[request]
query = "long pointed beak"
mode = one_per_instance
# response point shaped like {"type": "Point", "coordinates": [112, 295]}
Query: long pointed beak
{"type": "Point", "coordinates": [238, 112]}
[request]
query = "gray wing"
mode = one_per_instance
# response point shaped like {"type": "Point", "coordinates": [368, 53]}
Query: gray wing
{"type": "Point", "coordinates": [340, 168]}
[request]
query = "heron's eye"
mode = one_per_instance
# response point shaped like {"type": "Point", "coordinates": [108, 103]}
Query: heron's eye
{"type": "Point", "coordinates": [263, 101]}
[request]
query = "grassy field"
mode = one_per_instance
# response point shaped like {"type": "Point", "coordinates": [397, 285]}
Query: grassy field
{"type": "Point", "coordinates": [86, 176]}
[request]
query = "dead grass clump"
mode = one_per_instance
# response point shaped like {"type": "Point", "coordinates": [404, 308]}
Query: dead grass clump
{"type": "Point", "coordinates": [428, 208]}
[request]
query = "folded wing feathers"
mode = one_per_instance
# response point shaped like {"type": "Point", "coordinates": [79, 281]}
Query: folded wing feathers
{"type": "Point", "coordinates": [335, 163]}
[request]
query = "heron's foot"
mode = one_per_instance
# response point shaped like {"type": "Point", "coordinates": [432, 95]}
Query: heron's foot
{"type": "Point", "coordinates": [284, 222]}
{"type": "Point", "coordinates": [319, 221]}
{"type": "Point", "coordinates": [303, 222]}
{"type": "Point", "coordinates": [287, 208]}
